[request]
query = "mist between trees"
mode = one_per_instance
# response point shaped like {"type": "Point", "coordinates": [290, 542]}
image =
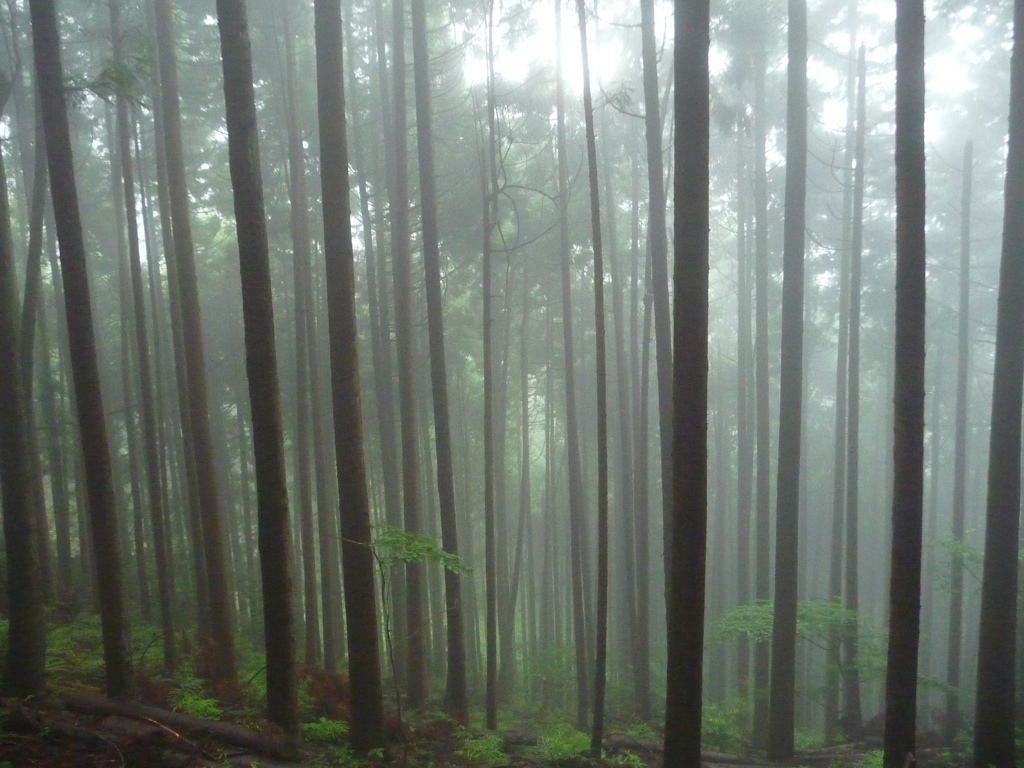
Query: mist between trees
{"type": "Point", "coordinates": [346, 333]}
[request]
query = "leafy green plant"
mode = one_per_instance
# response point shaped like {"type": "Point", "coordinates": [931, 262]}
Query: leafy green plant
{"type": "Point", "coordinates": [642, 731]}
{"type": "Point", "coordinates": [562, 741]}
{"type": "Point", "coordinates": [325, 731]}
{"type": "Point", "coordinates": [872, 759]}
{"type": "Point", "coordinates": [191, 698]}
{"type": "Point", "coordinates": [394, 546]}
{"type": "Point", "coordinates": [627, 759]}
{"type": "Point", "coordinates": [483, 749]}
{"type": "Point", "coordinates": [721, 728]}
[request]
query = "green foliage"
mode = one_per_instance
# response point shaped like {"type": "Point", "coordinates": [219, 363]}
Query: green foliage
{"type": "Point", "coordinates": [190, 697]}
{"type": "Point", "coordinates": [817, 620]}
{"type": "Point", "coordinates": [562, 741]}
{"type": "Point", "coordinates": [74, 652]}
{"type": "Point", "coordinates": [627, 759]}
{"type": "Point", "coordinates": [720, 727]}
{"type": "Point", "coordinates": [394, 546]}
{"type": "Point", "coordinates": [325, 731]}
{"type": "Point", "coordinates": [872, 759]}
{"type": "Point", "coordinates": [483, 749]}
{"type": "Point", "coordinates": [642, 732]}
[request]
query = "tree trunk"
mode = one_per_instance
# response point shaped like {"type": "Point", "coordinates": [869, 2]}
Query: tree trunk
{"type": "Point", "coordinates": [994, 709]}
{"type": "Point", "coordinates": [683, 707]}
{"type": "Point", "coordinates": [908, 393]}
{"type": "Point", "coordinates": [260, 364]}
{"type": "Point", "coordinates": [456, 701]}
{"type": "Point", "coordinates": [852, 715]}
{"type": "Point", "coordinates": [576, 500]}
{"type": "Point", "coordinates": [954, 717]}
{"type": "Point", "coordinates": [84, 364]}
{"type": "Point", "coordinates": [219, 666]}
{"type": "Point", "coordinates": [357, 556]}
{"type": "Point", "coordinates": [601, 619]}
{"type": "Point", "coordinates": [783, 667]}
{"type": "Point", "coordinates": [25, 667]}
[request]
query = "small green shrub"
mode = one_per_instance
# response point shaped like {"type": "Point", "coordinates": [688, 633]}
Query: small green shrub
{"type": "Point", "coordinates": [562, 741]}
{"type": "Point", "coordinates": [325, 731]}
{"type": "Point", "coordinates": [483, 749]}
{"type": "Point", "coordinates": [190, 698]}
{"type": "Point", "coordinates": [720, 728]}
{"type": "Point", "coordinates": [627, 759]}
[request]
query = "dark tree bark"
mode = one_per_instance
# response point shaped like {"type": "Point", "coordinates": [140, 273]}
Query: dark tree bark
{"type": "Point", "coordinates": [954, 716]}
{"type": "Point", "coordinates": [782, 708]}
{"type": "Point", "coordinates": [25, 665]}
{"type": "Point", "coordinates": [601, 618]}
{"type": "Point", "coordinates": [908, 390]}
{"type": "Point", "coordinates": [658, 244]}
{"type": "Point", "coordinates": [412, 646]}
{"type": "Point", "coordinates": [357, 556]}
{"type": "Point", "coordinates": [576, 500]}
{"type": "Point", "coordinates": [260, 364]}
{"type": "Point", "coordinates": [456, 701]}
{"type": "Point", "coordinates": [154, 467]}
{"type": "Point", "coordinates": [84, 365]}
{"type": "Point", "coordinates": [304, 415]}
{"type": "Point", "coordinates": [488, 188]}
{"type": "Point", "coordinates": [683, 707]}
{"type": "Point", "coordinates": [994, 709]}
{"type": "Point", "coordinates": [220, 667]}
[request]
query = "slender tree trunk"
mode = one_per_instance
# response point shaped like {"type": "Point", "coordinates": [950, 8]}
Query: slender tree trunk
{"type": "Point", "coordinates": [744, 434]}
{"type": "Point", "coordinates": [220, 665]}
{"type": "Point", "coordinates": [84, 364]}
{"type": "Point", "coordinates": [658, 245]}
{"type": "Point", "coordinates": [762, 493]}
{"type": "Point", "coordinates": [994, 708]}
{"type": "Point", "coordinates": [413, 651]}
{"type": "Point", "coordinates": [852, 715]}
{"type": "Point", "coordinates": [576, 500]}
{"type": "Point", "coordinates": [783, 669]}
{"type": "Point", "coordinates": [456, 700]}
{"type": "Point", "coordinates": [141, 341]}
{"type": "Point", "coordinates": [601, 619]}
{"type": "Point", "coordinates": [25, 665]}
{"type": "Point", "coordinates": [357, 557]}
{"type": "Point", "coordinates": [908, 394]}
{"type": "Point", "coordinates": [261, 366]}
{"type": "Point", "coordinates": [683, 708]}
{"type": "Point", "coordinates": [954, 717]}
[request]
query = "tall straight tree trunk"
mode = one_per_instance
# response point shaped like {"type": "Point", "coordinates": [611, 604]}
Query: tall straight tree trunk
{"type": "Point", "coordinates": [781, 720]}
{"type": "Point", "coordinates": [261, 365]}
{"type": "Point", "coordinates": [456, 701]}
{"type": "Point", "coordinates": [994, 708]}
{"type": "Point", "coordinates": [744, 434]}
{"type": "Point", "coordinates": [762, 492]}
{"type": "Point", "coordinates": [851, 675]}
{"type": "Point", "coordinates": [25, 665]}
{"type": "Point", "coordinates": [412, 651]}
{"type": "Point", "coordinates": [954, 717]}
{"type": "Point", "coordinates": [84, 363]}
{"type": "Point", "coordinates": [908, 396]}
{"type": "Point", "coordinates": [683, 707]}
{"type": "Point", "coordinates": [357, 556]}
{"type": "Point", "coordinates": [142, 361]}
{"type": "Point", "coordinates": [601, 619]}
{"type": "Point", "coordinates": [304, 416]}
{"type": "Point", "coordinates": [658, 244]}
{"type": "Point", "coordinates": [835, 577]}
{"type": "Point", "coordinates": [220, 667]}
{"type": "Point", "coordinates": [488, 189]}
{"type": "Point", "coordinates": [576, 501]}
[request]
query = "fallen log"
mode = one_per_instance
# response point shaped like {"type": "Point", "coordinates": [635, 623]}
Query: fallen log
{"type": "Point", "coordinates": [269, 744]}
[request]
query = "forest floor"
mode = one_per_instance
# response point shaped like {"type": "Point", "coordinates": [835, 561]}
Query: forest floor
{"type": "Point", "coordinates": [86, 729]}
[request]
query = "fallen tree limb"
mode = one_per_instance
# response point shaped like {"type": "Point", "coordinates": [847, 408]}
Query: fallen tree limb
{"type": "Point", "coordinates": [252, 741]}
